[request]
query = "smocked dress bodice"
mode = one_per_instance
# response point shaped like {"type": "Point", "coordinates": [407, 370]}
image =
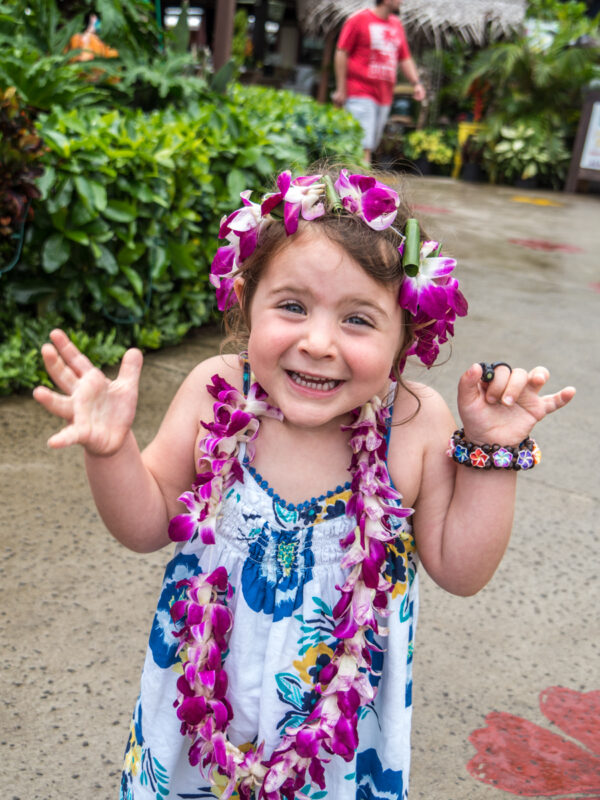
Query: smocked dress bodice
{"type": "Point", "coordinates": [283, 561]}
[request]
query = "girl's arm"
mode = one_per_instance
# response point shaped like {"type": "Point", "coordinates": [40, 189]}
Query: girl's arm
{"type": "Point", "coordinates": [136, 493]}
{"type": "Point", "coordinates": [463, 516]}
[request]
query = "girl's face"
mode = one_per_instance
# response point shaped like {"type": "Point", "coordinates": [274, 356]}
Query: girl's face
{"type": "Point", "coordinates": [323, 333]}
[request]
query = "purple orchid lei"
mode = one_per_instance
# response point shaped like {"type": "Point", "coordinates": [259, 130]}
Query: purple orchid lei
{"type": "Point", "coordinates": [431, 295]}
{"type": "Point", "coordinates": [205, 619]}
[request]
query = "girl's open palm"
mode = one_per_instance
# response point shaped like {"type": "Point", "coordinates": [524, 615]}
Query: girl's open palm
{"type": "Point", "coordinates": [99, 412]}
{"type": "Point", "coordinates": [505, 410]}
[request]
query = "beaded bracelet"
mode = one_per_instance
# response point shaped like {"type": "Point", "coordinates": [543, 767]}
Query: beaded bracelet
{"type": "Point", "coordinates": [494, 456]}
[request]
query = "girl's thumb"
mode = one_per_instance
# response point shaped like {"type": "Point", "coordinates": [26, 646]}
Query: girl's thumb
{"type": "Point", "coordinates": [469, 385]}
{"type": "Point", "coordinates": [131, 365]}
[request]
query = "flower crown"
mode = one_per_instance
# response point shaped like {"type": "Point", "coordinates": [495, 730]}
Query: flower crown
{"type": "Point", "coordinates": [428, 292]}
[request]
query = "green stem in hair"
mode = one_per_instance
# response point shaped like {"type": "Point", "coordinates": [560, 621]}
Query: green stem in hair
{"type": "Point", "coordinates": [333, 198]}
{"type": "Point", "coordinates": [411, 256]}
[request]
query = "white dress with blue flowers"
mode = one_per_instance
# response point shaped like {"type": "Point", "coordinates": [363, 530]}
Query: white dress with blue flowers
{"type": "Point", "coordinates": [283, 561]}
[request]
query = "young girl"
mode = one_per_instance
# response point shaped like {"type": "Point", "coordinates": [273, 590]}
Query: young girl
{"type": "Point", "coordinates": [280, 657]}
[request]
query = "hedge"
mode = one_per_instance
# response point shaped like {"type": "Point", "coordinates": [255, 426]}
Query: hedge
{"type": "Point", "coordinates": [124, 232]}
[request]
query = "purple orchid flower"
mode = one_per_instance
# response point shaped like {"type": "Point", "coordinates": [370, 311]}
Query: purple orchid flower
{"type": "Point", "coordinates": [302, 196]}
{"type": "Point", "coordinates": [373, 201]}
{"type": "Point", "coordinates": [430, 289]}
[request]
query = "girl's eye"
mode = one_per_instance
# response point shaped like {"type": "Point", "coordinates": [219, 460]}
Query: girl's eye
{"type": "Point", "coordinates": [292, 307]}
{"type": "Point", "coordinates": [357, 320]}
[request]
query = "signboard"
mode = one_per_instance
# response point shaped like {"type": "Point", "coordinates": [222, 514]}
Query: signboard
{"type": "Point", "coordinates": [585, 161]}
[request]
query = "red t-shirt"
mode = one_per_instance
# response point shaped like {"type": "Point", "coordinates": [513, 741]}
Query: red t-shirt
{"type": "Point", "coordinates": [374, 47]}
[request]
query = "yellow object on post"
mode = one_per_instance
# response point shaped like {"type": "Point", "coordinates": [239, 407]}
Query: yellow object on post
{"type": "Point", "coordinates": [465, 129]}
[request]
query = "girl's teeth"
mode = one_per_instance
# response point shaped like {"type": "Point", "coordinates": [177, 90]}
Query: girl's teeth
{"type": "Point", "coordinates": [322, 384]}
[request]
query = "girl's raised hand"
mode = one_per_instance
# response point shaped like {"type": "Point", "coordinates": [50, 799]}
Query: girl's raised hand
{"type": "Point", "coordinates": [99, 412]}
{"type": "Point", "coordinates": [505, 410]}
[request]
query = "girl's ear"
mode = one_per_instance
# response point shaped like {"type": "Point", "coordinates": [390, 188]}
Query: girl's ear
{"type": "Point", "coordinates": [238, 288]}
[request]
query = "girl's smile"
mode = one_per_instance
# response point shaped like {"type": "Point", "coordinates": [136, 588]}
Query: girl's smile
{"type": "Point", "coordinates": [323, 333]}
{"type": "Point", "coordinates": [312, 382]}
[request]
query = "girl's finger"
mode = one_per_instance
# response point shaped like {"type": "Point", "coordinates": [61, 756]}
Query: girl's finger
{"type": "Point", "coordinates": [131, 366]}
{"type": "Point", "coordinates": [538, 376]}
{"type": "Point", "coordinates": [517, 381]}
{"type": "Point", "coordinates": [64, 438]}
{"type": "Point", "coordinates": [61, 375]}
{"type": "Point", "coordinates": [552, 402]}
{"type": "Point", "coordinates": [72, 357]}
{"type": "Point", "coordinates": [58, 404]}
{"type": "Point", "coordinates": [469, 385]}
{"type": "Point", "coordinates": [497, 386]}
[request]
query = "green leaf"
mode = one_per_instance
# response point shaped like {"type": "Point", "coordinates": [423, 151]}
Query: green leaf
{"type": "Point", "coordinates": [81, 215]}
{"type": "Point", "coordinates": [129, 254]}
{"type": "Point", "coordinates": [92, 193]}
{"type": "Point", "coordinates": [62, 195]}
{"type": "Point", "coordinates": [134, 279]}
{"type": "Point", "coordinates": [78, 236]}
{"type": "Point", "coordinates": [106, 260]}
{"type": "Point", "coordinates": [237, 181]}
{"type": "Point", "coordinates": [58, 142]}
{"type": "Point", "coordinates": [120, 211]}
{"type": "Point", "coordinates": [158, 261]}
{"type": "Point", "coordinates": [55, 252]}
{"type": "Point", "coordinates": [45, 181]}
{"type": "Point", "coordinates": [124, 297]}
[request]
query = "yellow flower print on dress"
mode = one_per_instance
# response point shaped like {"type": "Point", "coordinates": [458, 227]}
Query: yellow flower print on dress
{"type": "Point", "coordinates": [310, 660]}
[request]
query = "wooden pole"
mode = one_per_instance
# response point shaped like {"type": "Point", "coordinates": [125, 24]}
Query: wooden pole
{"type": "Point", "coordinates": [223, 33]}
{"type": "Point", "coordinates": [325, 65]}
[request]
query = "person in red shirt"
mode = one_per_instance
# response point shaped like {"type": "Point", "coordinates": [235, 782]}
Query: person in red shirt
{"type": "Point", "coordinates": [371, 46]}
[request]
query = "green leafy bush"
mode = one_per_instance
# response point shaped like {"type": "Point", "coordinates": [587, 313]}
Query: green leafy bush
{"type": "Point", "coordinates": [528, 149]}
{"type": "Point", "coordinates": [130, 206]}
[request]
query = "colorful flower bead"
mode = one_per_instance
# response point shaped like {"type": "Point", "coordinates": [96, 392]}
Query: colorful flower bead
{"type": "Point", "coordinates": [479, 458]}
{"type": "Point", "coordinates": [502, 458]}
{"type": "Point", "coordinates": [537, 454]}
{"type": "Point", "coordinates": [461, 453]}
{"type": "Point", "coordinates": [525, 459]}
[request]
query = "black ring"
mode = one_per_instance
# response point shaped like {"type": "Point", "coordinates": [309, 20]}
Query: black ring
{"type": "Point", "coordinates": [488, 370]}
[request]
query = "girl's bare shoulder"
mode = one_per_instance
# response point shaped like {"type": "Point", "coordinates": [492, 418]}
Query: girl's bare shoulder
{"type": "Point", "coordinates": [228, 366]}
{"type": "Point", "coordinates": [420, 407]}
{"type": "Point", "coordinates": [192, 400]}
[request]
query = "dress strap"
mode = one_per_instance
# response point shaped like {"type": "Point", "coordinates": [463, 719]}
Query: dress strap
{"type": "Point", "coordinates": [247, 376]}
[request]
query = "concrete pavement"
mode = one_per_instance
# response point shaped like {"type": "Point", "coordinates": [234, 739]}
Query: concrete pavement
{"type": "Point", "coordinates": [76, 607]}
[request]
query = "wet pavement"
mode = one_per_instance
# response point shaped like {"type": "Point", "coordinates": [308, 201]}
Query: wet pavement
{"type": "Point", "coordinates": [76, 607]}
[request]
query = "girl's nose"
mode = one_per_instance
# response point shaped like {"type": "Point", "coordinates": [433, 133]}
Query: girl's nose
{"type": "Point", "coordinates": [318, 339]}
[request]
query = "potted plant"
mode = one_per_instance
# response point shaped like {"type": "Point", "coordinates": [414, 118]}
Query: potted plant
{"type": "Point", "coordinates": [526, 153]}
{"type": "Point", "coordinates": [390, 153]}
{"type": "Point", "coordinates": [429, 148]}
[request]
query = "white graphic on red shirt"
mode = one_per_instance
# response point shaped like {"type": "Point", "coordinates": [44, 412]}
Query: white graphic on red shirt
{"type": "Point", "coordinates": [383, 56]}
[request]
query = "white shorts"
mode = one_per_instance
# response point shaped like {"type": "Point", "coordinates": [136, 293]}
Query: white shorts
{"type": "Point", "coordinates": [372, 118]}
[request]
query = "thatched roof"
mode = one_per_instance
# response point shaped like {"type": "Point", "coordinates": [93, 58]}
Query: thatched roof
{"type": "Point", "coordinates": [476, 21]}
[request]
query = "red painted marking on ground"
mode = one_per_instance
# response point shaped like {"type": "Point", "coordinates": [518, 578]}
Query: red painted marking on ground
{"type": "Point", "coordinates": [575, 713]}
{"type": "Point", "coordinates": [518, 756]}
{"type": "Point", "coordinates": [595, 287]}
{"type": "Point", "coordinates": [550, 247]}
{"type": "Point", "coordinates": [432, 209]}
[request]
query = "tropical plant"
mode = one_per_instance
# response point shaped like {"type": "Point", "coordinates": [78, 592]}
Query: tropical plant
{"type": "Point", "coordinates": [20, 150]}
{"type": "Point", "coordinates": [530, 149]}
{"type": "Point", "coordinates": [531, 80]}
{"type": "Point", "coordinates": [430, 143]}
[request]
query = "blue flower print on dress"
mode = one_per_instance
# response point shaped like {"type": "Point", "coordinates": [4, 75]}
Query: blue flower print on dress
{"type": "Point", "coordinates": [280, 563]}
{"type": "Point", "coordinates": [162, 642]}
{"type": "Point", "coordinates": [375, 783]}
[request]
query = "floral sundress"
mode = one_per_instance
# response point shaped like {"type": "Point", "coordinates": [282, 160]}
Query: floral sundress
{"type": "Point", "coordinates": [283, 561]}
